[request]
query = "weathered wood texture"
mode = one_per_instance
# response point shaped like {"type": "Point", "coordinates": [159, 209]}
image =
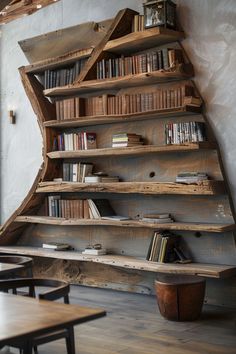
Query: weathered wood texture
{"type": "Point", "coordinates": [203, 188]}
{"type": "Point", "coordinates": [97, 120]}
{"type": "Point", "coordinates": [56, 43]}
{"type": "Point", "coordinates": [137, 41]}
{"type": "Point", "coordinates": [49, 220]}
{"type": "Point", "coordinates": [207, 270]}
{"type": "Point", "coordinates": [15, 9]}
{"type": "Point", "coordinates": [60, 61]}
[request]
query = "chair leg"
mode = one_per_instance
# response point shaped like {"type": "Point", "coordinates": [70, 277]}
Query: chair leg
{"type": "Point", "coordinates": [27, 348]}
{"type": "Point", "coordinates": [70, 341]}
{"type": "Point", "coordinates": [35, 349]}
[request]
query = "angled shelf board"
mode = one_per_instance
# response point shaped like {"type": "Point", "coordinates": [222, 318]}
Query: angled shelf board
{"type": "Point", "coordinates": [182, 72]}
{"type": "Point", "coordinates": [142, 40]}
{"type": "Point", "coordinates": [206, 270]}
{"type": "Point", "coordinates": [100, 120]}
{"type": "Point", "coordinates": [130, 151]}
{"type": "Point", "coordinates": [58, 62]}
{"type": "Point", "coordinates": [177, 226]}
{"type": "Point", "coordinates": [205, 188]}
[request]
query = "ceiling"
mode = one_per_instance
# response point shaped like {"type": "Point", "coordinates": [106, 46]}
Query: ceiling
{"type": "Point", "coordinates": [12, 9]}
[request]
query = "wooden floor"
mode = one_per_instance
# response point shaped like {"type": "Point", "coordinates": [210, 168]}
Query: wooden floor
{"type": "Point", "coordinates": [133, 326]}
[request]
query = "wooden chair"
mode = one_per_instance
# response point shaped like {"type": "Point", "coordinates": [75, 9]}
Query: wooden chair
{"type": "Point", "coordinates": [60, 290]}
{"type": "Point", "coordinates": [26, 262]}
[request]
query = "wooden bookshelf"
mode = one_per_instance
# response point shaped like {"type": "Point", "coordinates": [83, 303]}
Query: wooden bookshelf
{"type": "Point", "coordinates": [204, 188]}
{"type": "Point", "coordinates": [58, 62]}
{"type": "Point", "coordinates": [131, 151]}
{"type": "Point", "coordinates": [182, 72]}
{"type": "Point", "coordinates": [208, 200]}
{"type": "Point", "coordinates": [138, 41]}
{"type": "Point", "coordinates": [175, 226]}
{"type": "Point", "coordinates": [121, 118]}
{"type": "Point", "coordinates": [206, 270]}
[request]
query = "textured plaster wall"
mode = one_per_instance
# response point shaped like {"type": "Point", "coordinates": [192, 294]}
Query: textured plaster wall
{"type": "Point", "coordinates": [211, 45]}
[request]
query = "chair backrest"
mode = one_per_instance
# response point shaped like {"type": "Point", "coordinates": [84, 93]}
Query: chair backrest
{"type": "Point", "coordinates": [58, 289]}
{"type": "Point", "coordinates": [25, 261]}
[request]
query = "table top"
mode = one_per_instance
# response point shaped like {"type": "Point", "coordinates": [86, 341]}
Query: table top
{"type": "Point", "coordinates": [9, 268]}
{"type": "Point", "coordinates": [21, 317]}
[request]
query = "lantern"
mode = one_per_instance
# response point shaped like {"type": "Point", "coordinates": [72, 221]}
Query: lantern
{"type": "Point", "coordinates": [160, 13]}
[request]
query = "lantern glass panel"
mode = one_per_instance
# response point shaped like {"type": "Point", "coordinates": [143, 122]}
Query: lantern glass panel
{"type": "Point", "coordinates": [155, 15]}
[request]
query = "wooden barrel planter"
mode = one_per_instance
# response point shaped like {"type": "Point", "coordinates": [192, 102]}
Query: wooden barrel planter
{"type": "Point", "coordinates": [180, 297]}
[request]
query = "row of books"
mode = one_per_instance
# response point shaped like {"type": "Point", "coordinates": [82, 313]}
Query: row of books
{"type": "Point", "coordinates": [81, 208]}
{"type": "Point", "coordinates": [69, 108]}
{"type": "Point", "coordinates": [127, 103]}
{"type": "Point", "coordinates": [76, 172]}
{"type": "Point", "coordinates": [126, 140]}
{"type": "Point", "coordinates": [74, 141]}
{"type": "Point", "coordinates": [185, 132]}
{"type": "Point", "coordinates": [164, 248]}
{"type": "Point", "coordinates": [191, 177]}
{"type": "Point", "coordinates": [162, 59]}
{"type": "Point", "coordinates": [62, 77]}
{"type": "Point", "coordinates": [138, 23]}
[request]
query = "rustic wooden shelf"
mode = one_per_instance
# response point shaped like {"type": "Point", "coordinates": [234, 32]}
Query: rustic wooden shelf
{"type": "Point", "coordinates": [99, 120]}
{"type": "Point", "coordinates": [58, 62]}
{"type": "Point", "coordinates": [137, 41]}
{"type": "Point", "coordinates": [206, 270]}
{"type": "Point", "coordinates": [130, 151]}
{"type": "Point", "coordinates": [205, 188]}
{"type": "Point", "coordinates": [178, 226]}
{"type": "Point", "coordinates": [184, 71]}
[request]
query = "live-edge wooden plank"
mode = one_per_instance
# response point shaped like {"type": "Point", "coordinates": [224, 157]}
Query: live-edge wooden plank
{"type": "Point", "coordinates": [107, 119]}
{"type": "Point", "coordinates": [207, 270]}
{"type": "Point", "coordinates": [137, 41]}
{"type": "Point", "coordinates": [208, 187]}
{"type": "Point", "coordinates": [218, 228]}
{"type": "Point", "coordinates": [129, 151]}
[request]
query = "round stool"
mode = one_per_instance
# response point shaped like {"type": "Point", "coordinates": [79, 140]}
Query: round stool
{"type": "Point", "coordinates": [180, 297]}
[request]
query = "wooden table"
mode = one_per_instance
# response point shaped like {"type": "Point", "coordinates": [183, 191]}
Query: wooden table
{"type": "Point", "coordinates": [7, 268]}
{"type": "Point", "coordinates": [23, 318]}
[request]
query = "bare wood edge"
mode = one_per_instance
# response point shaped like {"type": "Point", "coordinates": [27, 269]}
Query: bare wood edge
{"type": "Point", "coordinates": [130, 151]}
{"type": "Point", "coordinates": [118, 28]}
{"type": "Point", "coordinates": [113, 45]}
{"type": "Point", "coordinates": [206, 270]}
{"type": "Point", "coordinates": [148, 188]}
{"type": "Point", "coordinates": [180, 72]}
{"type": "Point", "coordinates": [61, 60]}
{"type": "Point", "coordinates": [109, 119]}
{"type": "Point", "coordinates": [178, 226]}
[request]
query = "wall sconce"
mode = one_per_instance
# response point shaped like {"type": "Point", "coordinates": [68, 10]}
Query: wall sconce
{"type": "Point", "coordinates": [12, 117]}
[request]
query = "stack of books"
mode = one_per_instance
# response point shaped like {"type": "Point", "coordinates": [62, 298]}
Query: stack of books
{"type": "Point", "coordinates": [102, 209]}
{"type": "Point", "coordinates": [101, 178]}
{"type": "Point", "coordinates": [164, 248]}
{"type": "Point", "coordinates": [157, 218]}
{"type": "Point", "coordinates": [95, 252]}
{"type": "Point", "coordinates": [126, 140]}
{"type": "Point", "coordinates": [191, 177]}
{"type": "Point", "coordinates": [56, 246]}
{"type": "Point", "coordinates": [138, 23]}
